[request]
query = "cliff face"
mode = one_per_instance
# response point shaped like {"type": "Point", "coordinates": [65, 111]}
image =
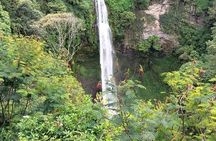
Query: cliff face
{"type": "Point", "coordinates": [148, 24]}
{"type": "Point", "coordinates": [153, 27]}
{"type": "Point", "coordinates": [163, 19]}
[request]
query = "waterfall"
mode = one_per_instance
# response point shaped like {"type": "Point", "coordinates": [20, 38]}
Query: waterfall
{"type": "Point", "coordinates": [109, 93]}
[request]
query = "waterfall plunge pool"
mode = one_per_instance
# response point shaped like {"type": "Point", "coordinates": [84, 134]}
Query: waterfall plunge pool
{"type": "Point", "coordinates": [88, 73]}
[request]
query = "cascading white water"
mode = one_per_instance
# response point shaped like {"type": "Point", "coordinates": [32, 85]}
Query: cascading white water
{"type": "Point", "coordinates": [106, 58]}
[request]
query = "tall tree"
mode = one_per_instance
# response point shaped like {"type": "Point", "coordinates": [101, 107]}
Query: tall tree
{"type": "Point", "coordinates": [61, 32]}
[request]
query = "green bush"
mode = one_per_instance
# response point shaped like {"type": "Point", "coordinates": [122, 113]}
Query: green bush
{"type": "Point", "coordinates": [152, 43]}
{"type": "Point", "coordinates": [26, 13]}
{"type": "Point", "coordinates": [84, 9]}
{"type": "Point", "coordinates": [142, 4]}
{"type": "Point", "coordinates": [81, 122]}
{"type": "Point", "coordinates": [56, 6]}
{"type": "Point", "coordinates": [121, 16]}
{"type": "Point", "coordinates": [29, 75]}
{"type": "Point", "coordinates": [4, 21]}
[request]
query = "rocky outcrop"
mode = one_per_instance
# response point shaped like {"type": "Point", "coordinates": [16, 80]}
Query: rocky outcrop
{"type": "Point", "coordinates": [152, 25]}
{"type": "Point", "coordinates": [148, 24]}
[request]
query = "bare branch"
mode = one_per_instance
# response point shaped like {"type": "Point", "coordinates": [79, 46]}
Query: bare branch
{"type": "Point", "coordinates": [60, 32]}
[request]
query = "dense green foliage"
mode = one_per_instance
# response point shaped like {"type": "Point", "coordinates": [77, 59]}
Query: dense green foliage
{"type": "Point", "coordinates": [211, 55]}
{"type": "Point", "coordinates": [190, 23]}
{"type": "Point", "coordinates": [4, 21]}
{"type": "Point", "coordinates": [122, 14]}
{"type": "Point", "coordinates": [42, 42]}
{"type": "Point", "coordinates": [24, 13]}
{"type": "Point", "coordinates": [41, 90]}
{"type": "Point", "coordinates": [150, 44]}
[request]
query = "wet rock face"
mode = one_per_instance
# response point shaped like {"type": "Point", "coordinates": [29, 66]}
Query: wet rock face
{"type": "Point", "coordinates": [155, 10]}
{"type": "Point", "coordinates": [148, 24]}
{"type": "Point", "coordinates": [152, 26]}
{"type": "Point", "coordinates": [168, 44]}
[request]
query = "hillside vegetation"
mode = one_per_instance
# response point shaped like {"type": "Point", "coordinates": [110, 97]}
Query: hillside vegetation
{"type": "Point", "coordinates": [45, 50]}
